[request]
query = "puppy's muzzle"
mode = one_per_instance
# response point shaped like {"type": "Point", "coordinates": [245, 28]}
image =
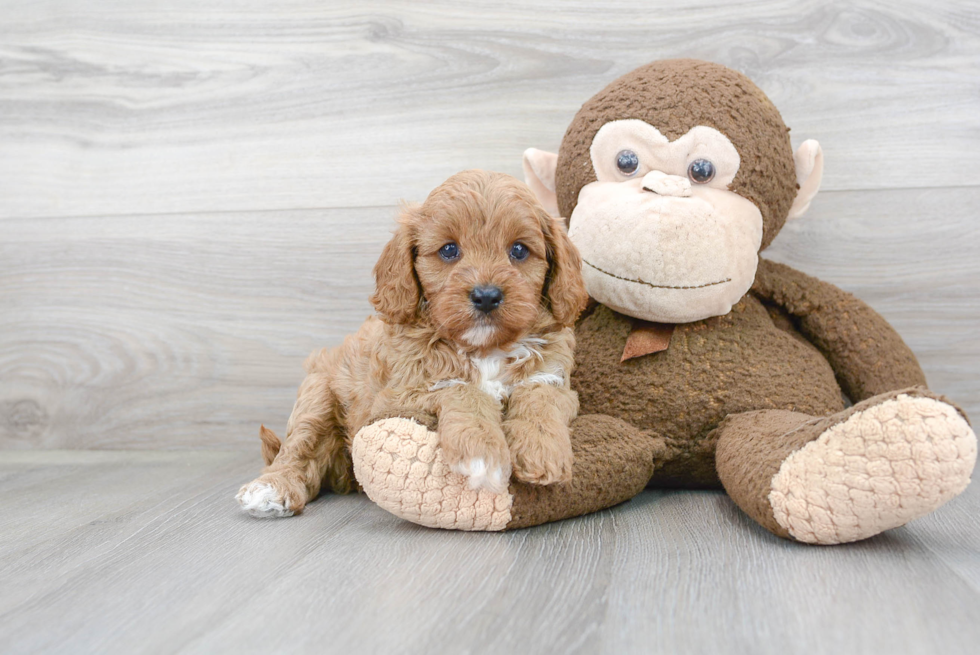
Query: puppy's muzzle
{"type": "Point", "coordinates": [486, 298]}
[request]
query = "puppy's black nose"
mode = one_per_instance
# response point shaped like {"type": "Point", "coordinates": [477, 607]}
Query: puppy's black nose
{"type": "Point", "coordinates": [486, 299]}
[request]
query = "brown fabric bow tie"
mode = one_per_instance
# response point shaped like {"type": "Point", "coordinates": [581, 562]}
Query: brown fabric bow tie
{"type": "Point", "coordinates": [647, 338]}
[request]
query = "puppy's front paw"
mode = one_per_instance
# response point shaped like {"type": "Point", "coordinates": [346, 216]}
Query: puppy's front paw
{"type": "Point", "coordinates": [540, 456]}
{"type": "Point", "coordinates": [480, 454]}
{"type": "Point", "coordinates": [269, 497]}
{"type": "Point", "coordinates": [481, 475]}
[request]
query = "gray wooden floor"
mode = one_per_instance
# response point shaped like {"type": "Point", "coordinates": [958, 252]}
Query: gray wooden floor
{"type": "Point", "coordinates": [142, 552]}
{"type": "Point", "coordinates": [192, 196]}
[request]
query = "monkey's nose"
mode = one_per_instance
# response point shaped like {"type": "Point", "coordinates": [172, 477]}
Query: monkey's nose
{"type": "Point", "coordinates": [486, 298]}
{"type": "Point", "coordinates": [667, 185]}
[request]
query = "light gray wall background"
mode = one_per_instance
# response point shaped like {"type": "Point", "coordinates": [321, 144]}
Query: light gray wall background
{"type": "Point", "coordinates": [192, 194]}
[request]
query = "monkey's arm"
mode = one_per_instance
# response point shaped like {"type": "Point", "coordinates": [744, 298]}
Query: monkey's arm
{"type": "Point", "coordinates": [867, 354]}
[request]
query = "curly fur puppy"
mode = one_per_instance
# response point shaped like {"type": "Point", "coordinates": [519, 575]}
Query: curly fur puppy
{"type": "Point", "coordinates": [476, 295]}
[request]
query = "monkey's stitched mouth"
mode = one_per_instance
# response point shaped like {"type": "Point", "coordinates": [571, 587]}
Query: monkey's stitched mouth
{"type": "Point", "coordinates": [656, 286]}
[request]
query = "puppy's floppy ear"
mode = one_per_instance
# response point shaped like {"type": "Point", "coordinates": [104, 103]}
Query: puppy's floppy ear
{"type": "Point", "coordinates": [397, 292]}
{"type": "Point", "coordinates": [564, 288]}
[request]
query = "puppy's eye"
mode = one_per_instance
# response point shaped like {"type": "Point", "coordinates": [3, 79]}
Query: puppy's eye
{"type": "Point", "coordinates": [519, 251]}
{"type": "Point", "coordinates": [701, 171]}
{"type": "Point", "coordinates": [449, 252]}
{"type": "Point", "coordinates": [627, 162]}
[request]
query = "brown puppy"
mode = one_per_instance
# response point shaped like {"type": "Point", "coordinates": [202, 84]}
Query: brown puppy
{"type": "Point", "coordinates": [477, 294]}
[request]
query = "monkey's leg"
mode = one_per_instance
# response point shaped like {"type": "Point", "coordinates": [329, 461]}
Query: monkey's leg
{"type": "Point", "coordinates": [849, 476]}
{"type": "Point", "coordinates": [399, 465]}
{"type": "Point", "coordinates": [313, 453]}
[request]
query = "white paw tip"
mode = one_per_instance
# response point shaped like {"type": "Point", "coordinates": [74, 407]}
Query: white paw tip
{"type": "Point", "coordinates": [480, 476]}
{"type": "Point", "coordinates": [261, 501]}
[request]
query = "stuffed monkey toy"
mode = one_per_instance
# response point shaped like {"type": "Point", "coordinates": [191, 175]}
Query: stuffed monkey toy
{"type": "Point", "coordinates": [701, 364]}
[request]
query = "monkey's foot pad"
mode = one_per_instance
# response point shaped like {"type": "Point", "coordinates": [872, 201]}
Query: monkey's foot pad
{"type": "Point", "coordinates": [399, 466]}
{"type": "Point", "coordinates": [878, 469]}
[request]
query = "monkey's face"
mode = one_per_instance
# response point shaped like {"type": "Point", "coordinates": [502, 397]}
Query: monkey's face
{"type": "Point", "coordinates": [661, 235]}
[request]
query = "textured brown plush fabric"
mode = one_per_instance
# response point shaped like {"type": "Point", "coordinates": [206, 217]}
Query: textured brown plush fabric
{"type": "Point", "coordinates": [784, 353]}
{"type": "Point", "coordinates": [745, 382]}
{"type": "Point", "coordinates": [868, 355]}
{"type": "Point", "coordinates": [674, 96]}
{"type": "Point", "coordinates": [720, 366]}
{"type": "Point", "coordinates": [613, 462]}
{"type": "Point", "coordinates": [732, 396]}
{"type": "Point", "coordinates": [753, 446]}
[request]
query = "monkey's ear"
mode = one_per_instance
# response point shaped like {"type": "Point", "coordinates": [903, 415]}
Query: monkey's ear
{"type": "Point", "coordinates": [539, 174]}
{"type": "Point", "coordinates": [809, 173]}
{"type": "Point", "coordinates": [396, 296]}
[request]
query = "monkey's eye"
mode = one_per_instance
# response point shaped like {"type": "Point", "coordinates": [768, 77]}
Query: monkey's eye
{"type": "Point", "coordinates": [449, 252]}
{"type": "Point", "coordinates": [701, 171]}
{"type": "Point", "coordinates": [627, 162]}
{"type": "Point", "coordinates": [519, 251]}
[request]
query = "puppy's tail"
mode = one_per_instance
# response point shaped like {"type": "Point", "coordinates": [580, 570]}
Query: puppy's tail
{"type": "Point", "coordinates": [270, 444]}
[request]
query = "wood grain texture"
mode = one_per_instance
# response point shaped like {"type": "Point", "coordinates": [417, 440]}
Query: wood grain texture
{"type": "Point", "coordinates": [146, 552]}
{"type": "Point", "coordinates": [192, 196]}
{"type": "Point", "coordinates": [152, 299]}
{"type": "Point", "coordinates": [188, 331]}
{"type": "Point", "coordinates": [136, 107]}
{"type": "Point", "coordinates": [173, 331]}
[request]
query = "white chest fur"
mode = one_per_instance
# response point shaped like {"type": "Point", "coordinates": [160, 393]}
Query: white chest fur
{"type": "Point", "coordinates": [496, 372]}
{"type": "Point", "coordinates": [494, 375]}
